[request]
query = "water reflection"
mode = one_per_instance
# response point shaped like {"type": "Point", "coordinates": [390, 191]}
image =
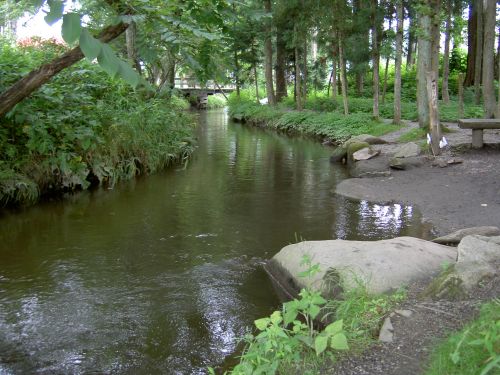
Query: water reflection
{"type": "Point", "coordinates": [164, 274]}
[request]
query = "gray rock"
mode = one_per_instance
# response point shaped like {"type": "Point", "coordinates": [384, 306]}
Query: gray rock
{"type": "Point", "coordinates": [456, 237]}
{"type": "Point", "coordinates": [377, 167]}
{"type": "Point", "coordinates": [478, 258]}
{"type": "Point", "coordinates": [387, 331]}
{"type": "Point", "coordinates": [404, 313]}
{"type": "Point", "coordinates": [406, 163]}
{"type": "Point", "coordinates": [382, 265]}
{"type": "Point", "coordinates": [339, 155]}
{"type": "Point", "coordinates": [352, 147]}
{"type": "Point", "coordinates": [408, 150]}
{"type": "Point", "coordinates": [365, 154]}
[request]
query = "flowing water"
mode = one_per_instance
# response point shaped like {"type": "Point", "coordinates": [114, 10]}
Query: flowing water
{"type": "Point", "coordinates": [163, 274]}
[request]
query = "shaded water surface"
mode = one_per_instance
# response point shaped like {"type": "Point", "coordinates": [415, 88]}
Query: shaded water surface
{"type": "Point", "coordinates": [162, 274]}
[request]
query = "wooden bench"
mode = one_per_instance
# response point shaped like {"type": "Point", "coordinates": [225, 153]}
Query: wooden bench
{"type": "Point", "coordinates": [478, 125]}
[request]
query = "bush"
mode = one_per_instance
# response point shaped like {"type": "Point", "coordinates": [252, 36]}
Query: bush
{"type": "Point", "coordinates": [216, 101]}
{"type": "Point", "coordinates": [82, 127]}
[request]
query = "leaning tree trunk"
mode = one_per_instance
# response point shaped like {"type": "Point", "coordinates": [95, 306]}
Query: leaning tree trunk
{"type": "Point", "coordinates": [489, 59]}
{"type": "Point", "coordinates": [399, 53]}
{"type": "Point", "coordinates": [130, 38]}
{"type": "Point", "coordinates": [237, 72]}
{"type": "Point", "coordinates": [298, 85]}
{"type": "Point", "coordinates": [256, 77]}
{"type": "Point", "coordinates": [268, 52]}
{"type": "Point", "coordinates": [36, 78]}
{"type": "Point", "coordinates": [387, 61]}
{"type": "Point", "coordinates": [446, 56]}
{"type": "Point", "coordinates": [479, 53]}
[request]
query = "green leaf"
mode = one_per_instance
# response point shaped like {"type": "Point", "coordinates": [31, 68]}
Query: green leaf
{"type": "Point", "coordinates": [71, 27]}
{"type": "Point", "coordinates": [56, 11]}
{"type": "Point", "coordinates": [108, 60]}
{"type": "Point", "coordinates": [128, 74]}
{"type": "Point", "coordinates": [339, 342]}
{"type": "Point", "coordinates": [334, 328]}
{"type": "Point", "coordinates": [320, 344]}
{"type": "Point", "coordinates": [89, 45]}
{"type": "Point", "coordinates": [276, 317]}
{"type": "Point", "coordinates": [314, 311]}
{"type": "Point", "coordinates": [261, 324]}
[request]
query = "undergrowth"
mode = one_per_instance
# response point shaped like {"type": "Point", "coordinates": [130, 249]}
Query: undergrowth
{"type": "Point", "coordinates": [216, 101]}
{"type": "Point", "coordinates": [82, 128]}
{"type": "Point", "coordinates": [310, 333]}
{"type": "Point", "coordinates": [473, 350]}
{"type": "Point", "coordinates": [330, 125]}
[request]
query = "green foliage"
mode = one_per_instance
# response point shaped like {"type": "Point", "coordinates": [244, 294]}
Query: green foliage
{"type": "Point", "coordinates": [473, 350]}
{"type": "Point", "coordinates": [331, 125]}
{"type": "Point", "coordinates": [294, 340]}
{"type": "Point", "coordinates": [216, 101]}
{"type": "Point", "coordinates": [82, 128]}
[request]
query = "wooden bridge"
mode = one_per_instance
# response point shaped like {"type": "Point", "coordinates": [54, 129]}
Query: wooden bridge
{"type": "Point", "coordinates": [192, 88]}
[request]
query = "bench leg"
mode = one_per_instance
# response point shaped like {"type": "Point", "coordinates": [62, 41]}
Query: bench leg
{"type": "Point", "coordinates": [477, 138]}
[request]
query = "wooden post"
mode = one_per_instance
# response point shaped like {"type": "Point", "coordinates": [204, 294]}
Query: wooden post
{"type": "Point", "coordinates": [435, 128]}
{"type": "Point", "coordinates": [460, 95]}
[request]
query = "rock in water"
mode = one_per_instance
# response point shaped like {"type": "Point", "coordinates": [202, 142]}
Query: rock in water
{"type": "Point", "coordinates": [408, 150]}
{"type": "Point", "coordinates": [456, 237]}
{"type": "Point", "coordinates": [381, 265]}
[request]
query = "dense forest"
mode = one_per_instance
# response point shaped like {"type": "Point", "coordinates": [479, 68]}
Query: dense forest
{"type": "Point", "coordinates": [372, 59]}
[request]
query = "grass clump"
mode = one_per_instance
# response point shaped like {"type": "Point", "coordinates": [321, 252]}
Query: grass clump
{"type": "Point", "coordinates": [473, 350]}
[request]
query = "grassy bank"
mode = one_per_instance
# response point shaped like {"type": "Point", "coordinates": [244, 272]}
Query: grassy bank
{"type": "Point", "coordinates": [333, 126]}
{"type": "Point", "coordinates": [83, 128]}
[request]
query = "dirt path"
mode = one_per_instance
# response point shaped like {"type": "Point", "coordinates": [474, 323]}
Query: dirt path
{"type": "Point", "coordinates": [459, 196]}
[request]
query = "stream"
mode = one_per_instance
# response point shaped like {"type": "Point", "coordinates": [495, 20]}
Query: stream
{"type": "Point", "coordinates": [163, 274]}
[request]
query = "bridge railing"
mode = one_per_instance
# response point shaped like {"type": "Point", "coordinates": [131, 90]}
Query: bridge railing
{"type": "Point", "coordinates": [193, 83]}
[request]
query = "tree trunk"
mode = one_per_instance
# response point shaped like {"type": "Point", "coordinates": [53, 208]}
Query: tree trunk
{"type": "Point", "coordinates": [375, 59]}
{"type": "Point", "coordinates": [460, 95]}
{"type": "Point", "coordinates": [427, 58]}
{"type": "Point", "coordinates": [304, 70]}
{"type": "Point", "coordinates": [399, 53]}
{"type": "Point", "coordinates": [36, 78]}
{"type": "Point", "coordinates": [256, 77]}
{"type": "Point", "coordinates": [343, 74]}
{"type": "Point", "coordinates": [280, 65]}
{"type": "Point", "coordinates": [410, 57]}
{"type": "Point", "coordinates": [334, 81]}
{"type": "Point", "coordinates": [237, 73]}
{"type": "Point", "coordinates": [479, 53]}
{"type": "Point", "coordinates": [434, 126]}
{"type": "Point", "coordinates": [268, 52]}
{"type": "Point", "coordinates": [387, 61]}
{"type": "Point", "coordinates": [471, 44]}
{"type": "Point", "coordinates": [130, 37]}
{"type": "Point", "coordinates": [298, 88]}
{"type": "Point", "coordinates": [446, 57]}
{"type": "Point", "coordinates": [489, 59]}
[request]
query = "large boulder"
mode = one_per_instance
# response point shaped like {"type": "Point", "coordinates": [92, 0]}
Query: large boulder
{"type": "Point", "coordinates": [406, 163]}
{"type": "Point", "coordinates": [370, 139]}
{"type": "Point", "coordinates": [381, 266]}
{"type": "Point", "coordinates": [352, 147]}
{"type": "Point", "coordinates": [478, 258]}
{"type": "Point", "coordinates": [456, 237]}
{"type": "Point", "coordinates": [377, 167]}
{"type": "Point", "coordinates": [365, 154]}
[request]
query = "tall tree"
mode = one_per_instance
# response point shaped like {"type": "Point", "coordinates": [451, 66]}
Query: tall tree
{"type": "Point", "coordinates": [479, 52]}
{"type": "Point", "coordinates": [427, 61]}
{"type": "Point", "coordinates": [375, 57]}
{"type": "Point", "coordinates": [280, 67]}
{"type": "Point", "coordinates": [446, 56]}
{"type": "Point", "coordinates": [399, 53]}
{"type": "Point", "coordinates": [268, 54]}
{"type": "Point", "coordinates": [412, 40]}
{"type": "Point", "coordinates": [488, 58]}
